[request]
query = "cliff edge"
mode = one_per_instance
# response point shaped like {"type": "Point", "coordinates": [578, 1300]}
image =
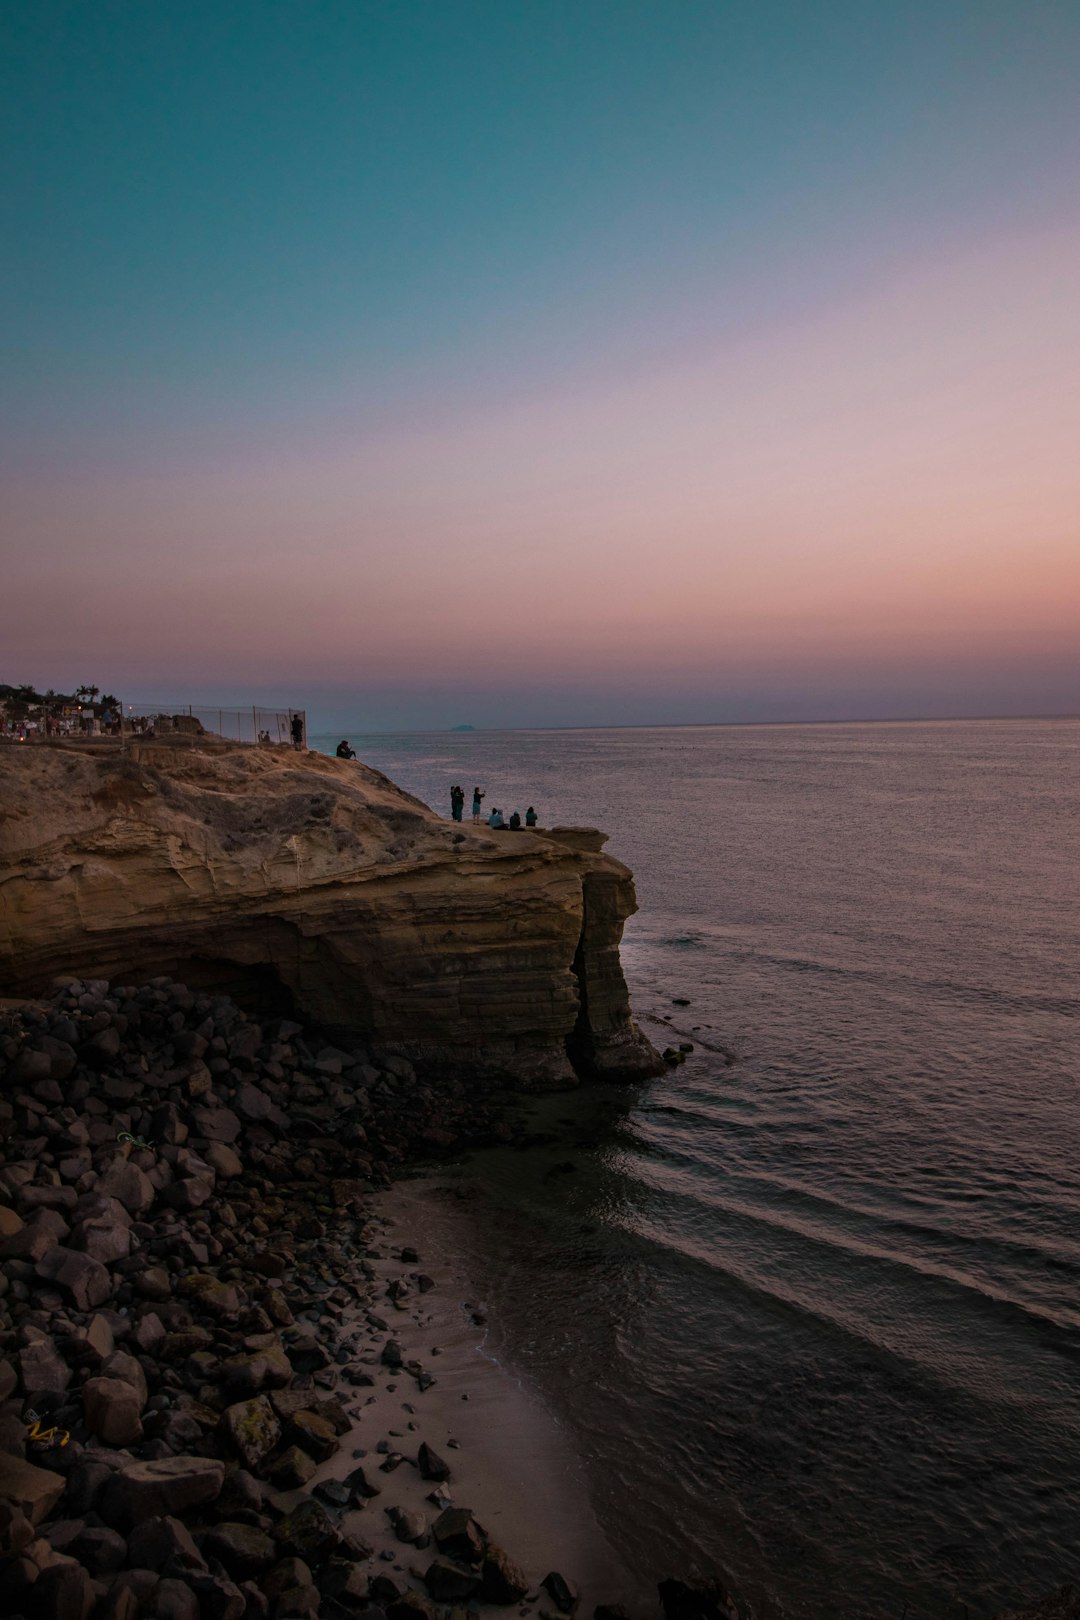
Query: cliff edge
{"type": "Point", "coordinates": [295, 881]}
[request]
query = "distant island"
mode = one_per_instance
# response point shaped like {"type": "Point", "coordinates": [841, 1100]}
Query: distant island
{"type": "Point", "coordinates": [462, 728]}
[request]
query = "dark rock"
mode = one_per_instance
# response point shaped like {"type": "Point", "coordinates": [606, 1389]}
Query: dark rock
{"type": "Point", "coordinates": [563, 1593]}
{"type": "Point", "coordinates": [287, 1575]}
{"type": "Point", "coordinates": [218, 1299]}
{"type": "Point", "coordinates": [100, 1549]}
{"type": "Point", "coordinates": [293, 1468]}
{"type": "Point", "coordinates": [243, 1549]}
{"type": "Point", "coordinates": [84, 1279]}
{"type": "Point", "coordinates": [252, 1429]}
{"type": "Point", "coordinates": [344, 1581]}
{"type": "Point", "coordinates": [131, 1590]}
{"type": "Point", "coordinates": [63, 1592]}
{"type": "Point", "coordinates": [104, 1240]}
{"type": "Point", "coordinates": [129, 1185]}
{"type": "Point", "coordinates": [140, 1490]}
{"type": "Point", "coordinates": [163, 1542]}
{"type": "Point", "coordinates": [218, 1598]}
{"type": "Point", "coordinates": [261, 1369]}
{"type": "Point", "coordinates": [458, 1535]}
{"type": "Point", "coordinates": [314, 1433]}
{"type": "Point", "coordinates": [410, 1606]}
{"type": "Point", "coordinates": [174, 1600]}
{"type": "Point", "coordinates": [148, 1333]}
{"type": "Point", "coordinates": [112, 1410]}
{"type": "Point", "coordinates": [306, 1532]}
{"type": "Point", "coordinates": [445, 1581]}
{"type": "Point", "coordinates": [35, 1491]}
{"type": "Point", "coordinates": [409, 1526]}
{"type": "Point", "coordinates": [501, 1580]}
{"type": "Point", "coordinates": [430, 1464]}
{"type": "Point", "coordinates": [360, 1485]}
{"type": "Point", "coordinates": [217, 1124]}
{"type": "Point", "coordinates": [682, 1602]}
{"type": "Point", "coordinates": [42, 1370]}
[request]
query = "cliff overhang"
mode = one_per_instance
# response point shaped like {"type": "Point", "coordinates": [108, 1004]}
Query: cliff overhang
{"type": "Point", "coordinates": [318, 884]}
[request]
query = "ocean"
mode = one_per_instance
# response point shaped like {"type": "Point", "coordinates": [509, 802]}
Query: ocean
{"type": "Point", "coordinates": [808, 1304]}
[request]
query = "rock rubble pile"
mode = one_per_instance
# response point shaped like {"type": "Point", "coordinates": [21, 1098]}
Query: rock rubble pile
{"type": "Point", "coordinates": [189, 1322]}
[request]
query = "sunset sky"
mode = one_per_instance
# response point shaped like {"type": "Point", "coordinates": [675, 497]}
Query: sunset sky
{"type": "Point", "coordinates": [544, 362]}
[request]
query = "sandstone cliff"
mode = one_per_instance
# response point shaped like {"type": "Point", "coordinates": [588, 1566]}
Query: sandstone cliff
{"type": "Point", "coordinates": [303, 881]}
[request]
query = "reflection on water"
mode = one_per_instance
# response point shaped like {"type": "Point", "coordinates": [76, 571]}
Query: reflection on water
{"type": "Point", "coordinates": [810, 1302]}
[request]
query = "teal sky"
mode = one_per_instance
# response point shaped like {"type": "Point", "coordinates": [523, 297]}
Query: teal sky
{"type": "Point", "coordinates": [304, 302]}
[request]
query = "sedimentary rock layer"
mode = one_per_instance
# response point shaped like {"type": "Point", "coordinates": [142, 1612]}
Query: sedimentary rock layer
{"type": "Point", "coordinates": [318, 884]}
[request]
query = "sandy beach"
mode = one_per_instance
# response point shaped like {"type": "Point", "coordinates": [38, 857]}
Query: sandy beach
{"type": "Point", "coordinates": [510, 1462]}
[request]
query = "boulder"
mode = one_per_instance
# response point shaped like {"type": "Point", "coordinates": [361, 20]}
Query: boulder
{"type": "Point", "coordinates": [243, 1549]}
{"type": "Point", "coordinates": [120, 1365]}
{"type": "Point", "coordinates": [563, 1593]}
{"type": "Point", "coordinates": [129, 1185]}
{"type": "Point", "coordinates": [314, 1433]}
{"type": "Point", "coordinates": [218, 1299]}
{"type": "Point", "coordinates": [173, 1600]}
{"type": "Point", "coordinates": [35, 1491]}
{"type": "Point", "coordinates": [85, 1280]}
{"type": "Point", "coordinates": [252, 1429]}
{"type": "Point", "coordinates": [445, 1581]}
{"type": "Point", "coordinates": [112, 1411]}
{"type": "Point", "coordinates": [261, 1369]}
{"type": "Point", "coordinates": [306, 1532]}
{"type": "Point", "coordinates": [163, 1542]}
{"type": "Point", "coordinates": [217, 1124]}
{"type": "Point", "coordinates": [224, 1161]}
{"type": "Point", "coordinates": [104, 1240]}
{"type": "Point", "coordinates": [501, 1580]}
{"type": "Point", "coordinates": [291, 1469]}
{"type": "Point", "coordinates": [43, 1370]}
{"type": "Point", "coordinates": [430, 1464]}
{"type": "Point", "coordinates": [682, 1602]}
{"type": "Point", "coordinates": [458, 1535]}
{"type": "Point", "coordinates": [63, 1592]}
{"type": "Point", "coordinates": [163, 1485]}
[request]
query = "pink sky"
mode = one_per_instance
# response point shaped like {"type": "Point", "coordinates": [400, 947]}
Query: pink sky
{"type": "Point", "coordinates": [882, 487]}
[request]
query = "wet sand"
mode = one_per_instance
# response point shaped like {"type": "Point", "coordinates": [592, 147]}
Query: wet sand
{"type": "Point", "coordinates": [511, 1463]}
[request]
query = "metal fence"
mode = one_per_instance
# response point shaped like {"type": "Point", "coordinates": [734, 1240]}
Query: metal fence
{"type": "Point", "coordinates": [268, 727]}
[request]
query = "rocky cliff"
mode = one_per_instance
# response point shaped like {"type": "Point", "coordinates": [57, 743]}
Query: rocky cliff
{"type": "Point", "coordinates": [293, 880]}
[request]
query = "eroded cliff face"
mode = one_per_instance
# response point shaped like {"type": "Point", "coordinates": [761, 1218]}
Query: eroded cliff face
{"type": "Point", "coordinates": [319, 882]}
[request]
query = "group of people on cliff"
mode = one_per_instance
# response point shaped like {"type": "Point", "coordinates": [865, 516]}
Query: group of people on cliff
{"type": "Point", "coordinates": [496, 819]}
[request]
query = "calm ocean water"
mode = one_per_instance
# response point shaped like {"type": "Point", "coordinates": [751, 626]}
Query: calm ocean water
{"type": "Point", "coordinates": [810, 1303]}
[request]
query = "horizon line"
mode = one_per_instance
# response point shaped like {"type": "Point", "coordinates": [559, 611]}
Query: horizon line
{"type": "Point", "coordinates": [720, 725]}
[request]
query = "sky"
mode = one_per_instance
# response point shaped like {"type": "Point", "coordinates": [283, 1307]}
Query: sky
{"type": "Point", "coordinates": [543, 362]}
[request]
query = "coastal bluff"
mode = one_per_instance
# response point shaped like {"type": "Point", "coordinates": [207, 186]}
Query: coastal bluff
{"type": "Point", "coordinates": [297, 882]}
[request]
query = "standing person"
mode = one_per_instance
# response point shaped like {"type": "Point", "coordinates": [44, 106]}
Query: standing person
{"type": "Point", "coordinates": [457, 802]}
{"type": "Point", "coordinates": [530, 817]}
{"type": "Point", "coordinates": [477, 801]}
{"type": "Point", "coordinates": [297, 729]}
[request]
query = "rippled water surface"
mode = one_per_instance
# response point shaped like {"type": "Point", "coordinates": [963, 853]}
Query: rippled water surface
{"type": "Point", "coordinates": [810, 1302]}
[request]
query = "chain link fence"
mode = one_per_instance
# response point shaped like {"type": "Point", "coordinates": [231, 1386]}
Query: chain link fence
{"type": "Point", "coordinates": [266, 727]}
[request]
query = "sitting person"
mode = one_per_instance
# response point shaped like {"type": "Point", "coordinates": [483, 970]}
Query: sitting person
{"type": "Point", "coordinates": [496, 820]}
{"type": "Point", "coordinates": [344, 751]}
{"type": "Point", "coordinates": [515, 820]}
{"type": "Point", "coordinates": [530, 817]}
